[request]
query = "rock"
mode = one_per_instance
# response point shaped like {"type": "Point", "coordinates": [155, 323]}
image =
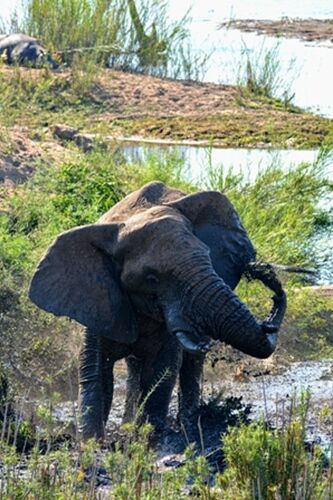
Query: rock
{"type": "Point", "coordinates": [83, 141]}
{"type": "Point", "coordinates": [64, 132]}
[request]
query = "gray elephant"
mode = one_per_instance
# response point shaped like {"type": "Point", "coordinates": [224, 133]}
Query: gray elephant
{"type": "Point", "coordinates": [25, 50]}
{"type": "Point", "coordinates": [153, 279]}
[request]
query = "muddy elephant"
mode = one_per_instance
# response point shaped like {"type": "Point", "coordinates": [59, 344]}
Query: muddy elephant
{"type": "Point", "coordinates": [152, 280]}
{"type": "Point", "coordinates": [25, 50]}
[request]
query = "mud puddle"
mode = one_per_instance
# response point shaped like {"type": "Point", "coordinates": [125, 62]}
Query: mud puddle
{"type": "Point", "coordinates": [270, 396]}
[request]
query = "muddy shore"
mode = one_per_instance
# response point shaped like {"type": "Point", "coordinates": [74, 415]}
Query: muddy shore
{"type": "Point", "coordinates": [309, 30]}
{"type": "Point", "coordinates": [131, 106]}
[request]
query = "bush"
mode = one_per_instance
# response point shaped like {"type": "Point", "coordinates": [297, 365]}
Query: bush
{"type": "Point", "coordinates": [267, 464]}
{"type": "Point", "coordinates": [125, 34]}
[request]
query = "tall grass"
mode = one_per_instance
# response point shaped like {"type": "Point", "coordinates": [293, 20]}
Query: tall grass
{"type": "Point", "coordinates": [103, 32]}
{"type": "Point", "coordinates": [282, 207]}
{"type": "Point", "coordinates": [260, 463]}
{"type": "Point", "coordinates": [262, 73]}
{"type": "Point", "coordinates": [269, 464]}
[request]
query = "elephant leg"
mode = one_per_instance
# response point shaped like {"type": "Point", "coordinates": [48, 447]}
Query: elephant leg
{"type": "Point", "coordinates": [159, 377]}
{"type": "Point", "coordinates": [107, 380]}
{"type": "Point", "coordinates": [97, 358]}
{"type": "Point", "coordinates": [133, 387]}
{"type": "Point", "coordinates": [91, 401]}
{"type": "Point", "coordinates": [189, 384]}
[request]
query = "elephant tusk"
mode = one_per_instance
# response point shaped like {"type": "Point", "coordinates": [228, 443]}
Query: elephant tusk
{"type": "Point", "coordinates": [269, 328]}
{"type": "Point", "coordinates": [191, 344]}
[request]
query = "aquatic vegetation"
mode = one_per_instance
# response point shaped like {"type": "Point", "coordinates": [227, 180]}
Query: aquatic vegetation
{"type": "Point", "coordinates": [261, 73]}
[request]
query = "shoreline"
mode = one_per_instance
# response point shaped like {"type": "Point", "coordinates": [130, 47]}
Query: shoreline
{"type": "Point", "coordinates": [133, 107]}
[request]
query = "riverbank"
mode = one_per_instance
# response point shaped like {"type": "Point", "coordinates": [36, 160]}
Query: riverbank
{"type": "Point", "coordinates": [126, 105]}
{"type": "Point", "coordinates": [309, 30]}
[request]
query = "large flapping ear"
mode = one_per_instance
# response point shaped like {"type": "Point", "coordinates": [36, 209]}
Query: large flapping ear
{"type": "Point", "coordinates": [217, 224]}
{"type": "Point", "coordinates": [76, 278]}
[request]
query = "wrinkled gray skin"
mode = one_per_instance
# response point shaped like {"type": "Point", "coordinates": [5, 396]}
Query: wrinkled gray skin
{"type": "Point", "coordinates": [25, 50]}
{"type": "Point", "coordinates": [152, 282]}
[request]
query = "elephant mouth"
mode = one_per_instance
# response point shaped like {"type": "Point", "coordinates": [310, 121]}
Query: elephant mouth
{"type": "Point", "coordinates": [192, 343]}
{"type": "Point", "coordinates": [148, 306]}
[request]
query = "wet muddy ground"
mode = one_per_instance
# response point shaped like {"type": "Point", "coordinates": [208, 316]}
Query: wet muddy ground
{"type": "Point", "coordinates": [228, 391]}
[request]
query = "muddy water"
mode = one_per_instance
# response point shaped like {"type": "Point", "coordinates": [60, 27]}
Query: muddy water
{"type": "Point", "coordinates": [270, 395]}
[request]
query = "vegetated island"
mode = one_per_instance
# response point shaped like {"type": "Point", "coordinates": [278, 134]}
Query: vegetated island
{"type": "Point", "coordinates": [310, 30]}
{"type": "Point", "coordinates": [124, 106]}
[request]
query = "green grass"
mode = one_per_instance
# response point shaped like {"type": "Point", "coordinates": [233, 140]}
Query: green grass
{"type": "Point", "coordinates": [260, 463]}
{"type": "Point", "coordinates": [95, 33]}
{"type": "Point", "coordinates": [234, 128]}
{"type": "Point", "coordinates": [268, 464]}
{"type": "Point", "coordinates": [261, 72]}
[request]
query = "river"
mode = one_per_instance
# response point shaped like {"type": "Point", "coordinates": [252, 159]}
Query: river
{"type": "Point", "coordinates": [306, 68]}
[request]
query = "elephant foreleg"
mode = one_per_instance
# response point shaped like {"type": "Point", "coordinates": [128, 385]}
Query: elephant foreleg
{"type": "Point", "coordinates": [107, 381]}
{"type": "Point", "coordinates": [91, 401]}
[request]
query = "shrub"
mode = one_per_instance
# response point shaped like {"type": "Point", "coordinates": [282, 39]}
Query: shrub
{"type": "Point", "coordinates": [267, 464]}
{"type": "Point", "coordinates": [125, 34]}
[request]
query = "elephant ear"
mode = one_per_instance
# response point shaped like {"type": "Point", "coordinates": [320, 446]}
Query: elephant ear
{"type": "Point", "coordinates": [217, 224]}
{"type": "Point", "coordinates": [76, 278]}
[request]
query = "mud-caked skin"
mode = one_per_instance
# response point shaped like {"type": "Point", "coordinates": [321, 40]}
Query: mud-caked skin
{"type": "Point", "coordinates": [25, 50]}
{"type": "Point", "coordinates": [152, 282]}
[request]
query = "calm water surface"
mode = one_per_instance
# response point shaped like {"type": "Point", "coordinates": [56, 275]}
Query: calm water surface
{"type": "Point", "coordinates": [306, 69]}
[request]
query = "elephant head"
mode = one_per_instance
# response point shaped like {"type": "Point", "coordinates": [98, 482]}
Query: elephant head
{"type": "Point", "coordinates": [162, 254]}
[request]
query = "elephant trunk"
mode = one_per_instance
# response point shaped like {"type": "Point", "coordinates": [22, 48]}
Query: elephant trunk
{"type": "Point", "coordinates": [215, 309]}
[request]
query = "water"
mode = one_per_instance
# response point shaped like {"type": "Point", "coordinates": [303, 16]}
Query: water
{"type": "Point", "coordinates": [305, 67]}
{"type": "Point", "coordinates": [240, 160]}
{"type": "Point", "coordinates": [244, 9]}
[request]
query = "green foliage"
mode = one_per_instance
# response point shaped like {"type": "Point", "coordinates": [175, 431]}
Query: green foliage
{"type": "Point", "coordinates": [279, 208]}
{"type": "Point", "coordinates": [72, 24]}
{"type": "Point", "coordinates": [168, 167]}
{"type": "Point", "coordinates": [261, 463]}
{"type": "Point", "coordinates": [136, 36]}
{"type": "Point", "coordinates": [267, 464]}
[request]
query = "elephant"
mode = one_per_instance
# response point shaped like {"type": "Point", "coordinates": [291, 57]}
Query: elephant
{"type": "Point", "coordinates": [152, 280]}
{"type": "Point", "coordinates": [25, 50]}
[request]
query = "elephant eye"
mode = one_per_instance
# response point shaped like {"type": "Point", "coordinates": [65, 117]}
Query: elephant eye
{"type": "Point", "coordinates": [152, 279]}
